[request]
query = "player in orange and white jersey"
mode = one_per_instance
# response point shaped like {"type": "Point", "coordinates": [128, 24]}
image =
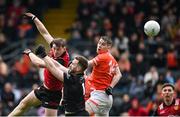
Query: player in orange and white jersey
{"type": "Point", "coordinates": [105, 75]}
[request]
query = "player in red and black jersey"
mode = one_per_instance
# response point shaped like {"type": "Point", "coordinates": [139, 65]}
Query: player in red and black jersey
{"type": "Point", "coordinates": [170, 105]}
{"type": "Point", "coordinates": [49, 94]}
{"type": "Point", "coordinates": [73, 80]}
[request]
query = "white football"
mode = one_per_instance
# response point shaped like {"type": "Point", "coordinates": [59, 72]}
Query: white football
{"type": "Point", "coordinates": [151, 28]}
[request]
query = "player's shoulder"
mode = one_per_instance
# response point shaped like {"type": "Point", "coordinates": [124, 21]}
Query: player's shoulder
{"type": "Point", "coordinates": [110, 57]}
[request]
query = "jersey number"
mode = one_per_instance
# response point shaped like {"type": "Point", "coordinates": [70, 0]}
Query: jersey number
{"type": "Point", "coordinates": [112, 68]}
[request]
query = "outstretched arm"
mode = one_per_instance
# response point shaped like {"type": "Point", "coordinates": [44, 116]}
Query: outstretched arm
{"type": "Point", "coordinates": [34, 59]}
{"type": "Point", "coordinates": [40, 63]}
{"type": "Point", "coordinates": [114, 81]}
{"type": "Point", "coordinates": [58, 73]}
{"type": "Point", "coordinates": [41, 28]}
{"type": "Point", "coordinates": [59, 66]}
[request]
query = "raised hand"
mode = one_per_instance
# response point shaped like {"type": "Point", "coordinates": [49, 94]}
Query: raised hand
{"type": "Point", "coordinates": [29, 15]}
{"type": "Point", "coordinates": [27, 51]}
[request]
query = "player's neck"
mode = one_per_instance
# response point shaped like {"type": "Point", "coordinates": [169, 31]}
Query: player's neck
{"type": "Point", "coordinates": [168, 103]}
{"type": "Point", "coordinates": [104, 51]}
{"type": "Point", "coordinates": [77, 73]}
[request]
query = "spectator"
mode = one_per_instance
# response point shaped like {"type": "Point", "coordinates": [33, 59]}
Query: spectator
{"type": "Point", "coordinates": [10, 30]}
{"type": "Point", "coordinates": [142, 48]}
{"type": "Point", "coordinates": [3, 68]}
{"type": "Point", "coordinates": [151, 75]}
{"type": "Point", "coordinates": [142, 66]}
{"type": "Point", "coordinates": [3, 73]}
{"type": "Point", "coordinates": [2, 22]}
{"type": "Point", "coordinates": [136, 109]}
{"type": "Point", "coordinates": [169, 78]}
{"type": "Point", "coordinates": [124, 63]}
{"type": "Point", "coordinates": [15, 10]}
{"type": "Point", "coordinates": [25, 30]}
{"type": "Point", "coordinates": [133, 44]}
{"type": "Point", "coordinates": [126, 104]}
{"type": "Point", "coordinates": [21, 69]}
{"type": "Point", "coordinates": [3, 7]}
{"type": "Point", "coordinates": [136, 88]}
{"type": "Point", "coordinates": [150, 80]}
{"type": "Point", "coordinates": [172, 58]}
{"type": "Point", "coordinates": [8, 97]}
{"type": "Point", "coordinates": [3, 41]}
{"type": "Point", "coordinates": [121, 41]}
{"type": "Point", "coordinates": [1, 109]}
{"type": "Point", "coordinates": [159, 60]}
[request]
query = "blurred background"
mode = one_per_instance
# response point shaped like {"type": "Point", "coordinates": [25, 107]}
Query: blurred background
{"type": "Point", "coordinates": [146, 63]}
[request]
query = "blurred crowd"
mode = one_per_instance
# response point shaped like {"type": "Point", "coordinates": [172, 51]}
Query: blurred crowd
{"type": "Point", "coordinates": [17, 75]}
{"type": "Point", "coordinates": [146, 63]}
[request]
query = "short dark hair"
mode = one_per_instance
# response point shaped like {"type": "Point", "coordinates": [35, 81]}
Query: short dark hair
{"type": "Point", "coordinates": [107, 40]}
{"type": "Point", "coordinates": [83, 62]}
{"type": "Point", "coordinates": [168, 84]}
{"type": "Point", "coordinates": [59, 42]}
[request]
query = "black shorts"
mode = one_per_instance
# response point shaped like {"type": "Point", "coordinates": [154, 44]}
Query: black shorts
{"type": "Point", "coordinates": [50, 99]}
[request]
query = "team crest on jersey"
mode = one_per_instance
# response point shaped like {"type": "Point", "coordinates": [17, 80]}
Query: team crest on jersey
{"type": "Point", "coordinates": [161, 106]}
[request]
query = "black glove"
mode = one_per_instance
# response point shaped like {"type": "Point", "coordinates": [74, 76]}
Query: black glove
{"type": "Point", "coordinates": [109, 90]}
{"type": "Point", "coordinates": [41, 51]}
{"type": "Point", "coordinates": [27, 52]}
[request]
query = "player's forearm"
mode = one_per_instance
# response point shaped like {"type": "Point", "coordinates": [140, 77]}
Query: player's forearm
{"type": "Point", "coordinates": [53, 69]}
{"type": "Point", "coordinates": [116, 78]}
{"type": "Point", "coordinates": [36, 60]}
{"type": "Point", "coordinates": [61, 67]}
{"type": "Point", "coordinates": [42, 29]}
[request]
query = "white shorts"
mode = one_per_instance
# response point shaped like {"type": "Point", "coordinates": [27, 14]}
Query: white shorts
{"type": "Point", "coordinates": [99, 103]}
